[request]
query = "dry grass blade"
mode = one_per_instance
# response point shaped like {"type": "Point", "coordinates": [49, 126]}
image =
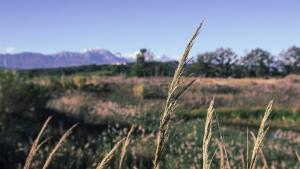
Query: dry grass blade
{"type": "Point", "coordinates": [207, 135]}
{"type": "Point", "coordinates": [222, 159]}
{"type": "Point", "coordinates": [124, 148]}
{"type": "Point", "coordinates": [171, 102]}
{"type": "Point", "coordinates": [260, 136]}
{"type": "Point", "coordinates": [58, 145]}
{"type": "Point", "coordinates": [36, 145]}
{"type": "Point", "coordinates": [260, 152]}
{"type": "Point", "coordinates": [110, 155]}
{"type": "Point", "coordinates": [298, 156]}
{"type": "Point", "coordinates": [222, 142]}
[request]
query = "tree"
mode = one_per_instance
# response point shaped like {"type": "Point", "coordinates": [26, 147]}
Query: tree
{"type": "Point", "coordinates": [290, 60]}
{"type": "Point", "coordinates": [219, 63]}
{"type": "Point", "coordinates": [138, 67]}
{"type": "Point", "coordinates": [258, 62]}
{"type": "Point", "coordinates": [20, 97]}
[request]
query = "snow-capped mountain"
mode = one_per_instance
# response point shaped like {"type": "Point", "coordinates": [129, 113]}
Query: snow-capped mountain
{"type": "Point", "coordinates": [30, 60]}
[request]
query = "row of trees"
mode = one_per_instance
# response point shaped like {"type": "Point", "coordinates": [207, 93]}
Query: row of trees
{"type": "Point", "coordinates": [219, 63]}
{"type": "Point", "coordinates": [258, 62]}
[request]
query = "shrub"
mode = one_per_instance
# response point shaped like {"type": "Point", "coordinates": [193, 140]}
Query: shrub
{"type": "Point", "coordinates": [19, 95]}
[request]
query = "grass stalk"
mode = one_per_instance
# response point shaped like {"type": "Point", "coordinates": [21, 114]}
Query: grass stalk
{"type": "Point", "coordinates": [125, 146]}
{"type": "Point", "coordinates": [171, 102]}
{"type": "Point", "coordinates": [58, 145]}
{"type": "Point", "coordinates": [207, 136]}
{"type": "Point", "coordinates": [264, 160]}
{"type": "Point", "coordinates": [260, 136]}
{"type": "Point", "coordinates": [105, 161]}
{"type": "Point", "coordinates": [36, 145]}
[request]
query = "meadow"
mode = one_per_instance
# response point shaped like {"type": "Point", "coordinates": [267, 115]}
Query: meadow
{"type": "Point", "coordinates": [179, 122]}
{"type": "Point", "coordinates": [106, 107]}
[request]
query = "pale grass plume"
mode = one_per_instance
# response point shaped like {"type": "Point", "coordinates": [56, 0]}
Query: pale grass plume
{"type": "Point", "coordinates": [261, 153]}
{"type": "Point", "coordinates": [58, 145]}
{"type": "Point", "coordinates": [176, 89]}
{"type": "Point", "coordinates": [207, 136]}
{"type": "Point", "coordinates": [105, 161]}
{"type": "Point", "coordinates": [125, 146]}
{"type": "Point", "coordinates": [260, 136]}
{"type": "Point", "coordinates": [36, 145]}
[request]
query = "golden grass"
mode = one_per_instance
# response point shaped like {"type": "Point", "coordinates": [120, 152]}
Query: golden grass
{"type": "Point", "coordinates": [36, 145]}
{"type": "Point", "coordinates": [58, 145]}
{"type": "Point", "coordinates": [298, 156]}
{"type": "Point", "coordinates": [222, 159]}
{"type": "Point", "coordinates": [263, 157]}
{"type": "Point", "coordinates": [125, 146]}
{"type": "Point", "coordinates": [260, 136]}
{"type": "Point", "coordinates": [207, 136]}
{"type": "Point", "coordinates": [107, 158]}
{"type": "Point", "coordinates": [171, 102]}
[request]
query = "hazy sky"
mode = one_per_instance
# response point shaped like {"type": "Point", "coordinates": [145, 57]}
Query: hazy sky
{"type": "Point", "coordinates": [164, 26]}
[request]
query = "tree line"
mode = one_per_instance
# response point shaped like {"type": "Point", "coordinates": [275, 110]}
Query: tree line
{"type": "Point", "coordinates": [222, 62]}
{"type": "Point", "coordinates": [256, 63]}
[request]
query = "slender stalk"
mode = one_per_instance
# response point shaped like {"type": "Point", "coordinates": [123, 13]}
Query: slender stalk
{"type": "Point", "coordinates": [124, 148]}
{"type": "Point", "coordinates": [222, 142]}
{"type": "Point", "coordinates": [105, 161]}
{"type": "Point", "coordinates": [171, 102]}
{"type": "Point", "coordinates": [58, 145]}
{"type": "Point", "coordinates": [261, 135]}
{"type": "Point", "coordinates": [36, 145]}
{"type": "Point", "coordinates": [260, 152]}
{"type": "Point", "coordinates": [207, 135]}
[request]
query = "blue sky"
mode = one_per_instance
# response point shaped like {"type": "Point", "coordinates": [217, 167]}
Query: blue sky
{"type": "Point", "coordinates": [164, 26]}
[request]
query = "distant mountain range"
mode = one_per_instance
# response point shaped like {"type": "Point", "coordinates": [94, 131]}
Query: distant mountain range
{"type": "Point", "coordinates": [30, 60]}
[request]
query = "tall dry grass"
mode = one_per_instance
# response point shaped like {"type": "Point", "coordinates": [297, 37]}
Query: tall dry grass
{"type": "Point", "coordinates": [207, 136]}
{"type": "Point", "coordinates": [108, 157]}
{"type": "Point", "coordinates": [125, 146]}
{"type": "Point", "coordinates": [176, 89]}
{"type": "Point", "coordinates": [260, 136]}
{"type": "Point", "coordinates": [36, 144]}
{"type": "Point", "coordinates": [58, 145]}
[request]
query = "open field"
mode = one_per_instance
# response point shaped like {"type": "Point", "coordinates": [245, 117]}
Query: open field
{"type": "Point", "coordinates": [106, 107]}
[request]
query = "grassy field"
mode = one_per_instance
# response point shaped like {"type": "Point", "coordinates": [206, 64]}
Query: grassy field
{"type": "Point", "coordinates": [106, 107]}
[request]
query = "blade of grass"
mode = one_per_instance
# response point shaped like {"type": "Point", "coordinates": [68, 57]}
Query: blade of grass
{"type": "Point", "coordinates": [222, 141]}
{"type": "Point", "coordinates": [105, 161]}
{"type": "Point", "coordinates": [36, 145]}
{"type": "Point", "coordinates": [261, 135]}
{"type": "Point", "coordinates": [58, 145]}
{"type": "Point", "coordinates": [207, 135]}
{"type": "Point", "coordinates": [260, 151]}
{"type": "Point", "coordinates": [298, 156]}
{"type": "Point", "coordinates": [124, 148]}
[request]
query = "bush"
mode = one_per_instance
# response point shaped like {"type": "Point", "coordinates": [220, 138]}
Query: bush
{"type": "Point", "coordinates": [18, 95]}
